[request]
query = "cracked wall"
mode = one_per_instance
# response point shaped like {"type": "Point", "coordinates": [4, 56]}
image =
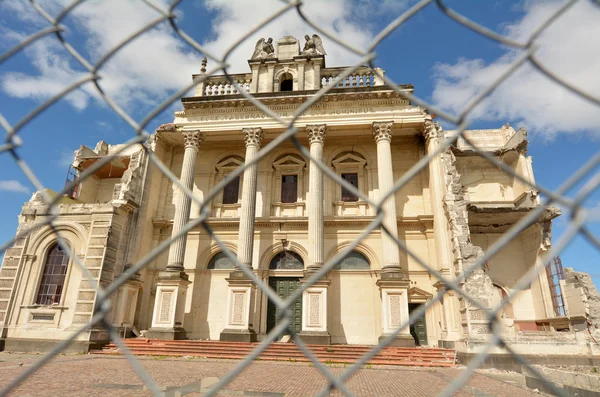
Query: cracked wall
{"type": "Point", "coordinates": [474, 321]}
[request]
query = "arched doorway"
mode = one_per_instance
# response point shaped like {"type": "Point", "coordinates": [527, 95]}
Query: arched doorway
{"type": "Point", "coordinates": [284, 285]}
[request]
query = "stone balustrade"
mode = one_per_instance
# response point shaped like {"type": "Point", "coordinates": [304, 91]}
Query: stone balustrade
{"type": "Point", "coordinates": [220, 85]}
{"type": "Point", "coordinates": [361, 77]}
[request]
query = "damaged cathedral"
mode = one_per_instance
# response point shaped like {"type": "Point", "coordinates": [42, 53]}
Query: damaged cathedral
{"type": "Point", "coordinates": [284, 219]}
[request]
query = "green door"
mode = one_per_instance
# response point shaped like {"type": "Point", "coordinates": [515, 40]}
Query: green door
{"type": "Point", "coordinates": [285, 287]}
{"type": "Point", "coordinates": [419, 329]}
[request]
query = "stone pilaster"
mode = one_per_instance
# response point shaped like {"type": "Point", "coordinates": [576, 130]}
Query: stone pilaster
{"type": "Point", "coordinates": [393, 284]}
{"type": "Point", "coordinates": [314, 298]}
{"type": "Point", "coordinates": [171, 290]}
{"type": "Point", "coordinates": [433, 137]}
{"type": "Point", "coordinates": [241, 290]}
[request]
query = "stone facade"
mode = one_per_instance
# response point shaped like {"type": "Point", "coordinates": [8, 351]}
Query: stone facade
{"type": "Point", "coordinates": [283, 220]}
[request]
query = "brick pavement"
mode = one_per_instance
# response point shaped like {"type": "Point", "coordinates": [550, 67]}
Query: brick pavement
{"type": "Point", "coordinates": [87, 375]}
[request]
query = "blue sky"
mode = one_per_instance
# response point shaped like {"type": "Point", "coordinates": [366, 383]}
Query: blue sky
{"type": "Point", "coordinates": [446, 62]}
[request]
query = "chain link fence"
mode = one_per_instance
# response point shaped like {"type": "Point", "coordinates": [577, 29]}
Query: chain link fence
{"type": "Point", "coordinates": [366, 56]}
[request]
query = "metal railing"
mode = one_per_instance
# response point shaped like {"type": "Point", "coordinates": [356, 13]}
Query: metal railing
{"type": "Point", "coordinates": [228, 84]}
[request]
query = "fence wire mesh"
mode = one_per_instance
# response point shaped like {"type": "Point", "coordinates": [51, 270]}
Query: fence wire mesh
{"type": "Point", "coordinates": [140, 136]}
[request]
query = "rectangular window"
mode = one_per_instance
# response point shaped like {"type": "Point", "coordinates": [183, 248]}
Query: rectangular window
{"type": "Point", "coordinates": [289, 188]}
{"type": "Point", "coordinates": [353, 180]}
{"type": "Point", "coordinates": [231, 191]}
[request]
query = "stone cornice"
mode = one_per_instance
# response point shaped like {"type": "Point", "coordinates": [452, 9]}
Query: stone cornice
{"type": "Point", "coordinates": [192, 106]}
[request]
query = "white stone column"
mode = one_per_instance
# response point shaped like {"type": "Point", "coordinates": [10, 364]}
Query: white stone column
{"type": "Point", "coordinates": [314, 298]}
{"type": "Point", "coordinates": [437, 187]}
{"type": "Point", "coordinates": [171, 290]}
{"type": "Point", "coordinates": [382, 132]}
{"type": "Point", "coordinates": [241, 291]}
{"type": "Point", "coordinates": [393, 284]}
{"type": "Point", "coordinates": [192, 141]}
{"type": "Point", "coordinates": [316, 253]}
{"type": "Point", "coordinates": [253, 138]}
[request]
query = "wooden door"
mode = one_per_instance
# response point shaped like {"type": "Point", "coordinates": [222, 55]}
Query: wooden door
{"type": "Point", "coordinates": [285, 287]}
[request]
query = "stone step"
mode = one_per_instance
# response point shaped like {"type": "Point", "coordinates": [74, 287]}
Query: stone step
{"type": "Point", "coordinates": [292, 354]}
{"type": "Point", "coordinates": [276, 345]}
{"type": "Point", "coordinates": [345, 354]}
{"type": "Point", "coordinates": [325, 360]}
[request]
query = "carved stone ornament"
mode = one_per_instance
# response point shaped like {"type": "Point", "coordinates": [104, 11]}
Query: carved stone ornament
{"type": "Point", "coordinates": [264, 49]}
{"type": "Point", "coordinates": [431, 130]}
{"type": "Point", "coordinates": [192, 139]}
{"type": "Point", "coordinates": [382, 130]}
{"type": "Point", "coordinates": [313, 46]}
{"type": "Point", "coordinates": [253, 136]}
{"type": "Point", "coordinates": [316, 133]}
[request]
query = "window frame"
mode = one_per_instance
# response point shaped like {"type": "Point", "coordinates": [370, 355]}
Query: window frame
{"type": "Point", "coordinates": [366, 269]}
{"type": "Point", "coordinates": [283, 183]}
{"type": "Point", "coordinates": [66, 262]}
{"type": "Point", "coordinates": [346, 195]}
{"type": "Point", "coordinates": [294, 254]}
{"type": "Point", "coordinates": [234, 184]}
{"type": "Point", "coordinates": [224, 167]}
{"type": "Point", "coordinates": [213, 258]}
{"type": "Point", "coordinates": [286, 165]}
{"type": "Point", "coordinates": [350, 162]}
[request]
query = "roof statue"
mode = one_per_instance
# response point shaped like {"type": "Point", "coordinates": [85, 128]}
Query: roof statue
{"type": "Point", "coordinates": [264, 49]}
{"type": "Point", "coordinates": [313, 46]}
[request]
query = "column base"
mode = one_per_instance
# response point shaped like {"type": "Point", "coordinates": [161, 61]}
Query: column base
{"type": "Point", "coordinates": [177, 333]}
{"type": "Point", "coordinates": [400, 341]}
{"type": "Point", "coordinates": [238, 335]}
{"type": "Point", "coordinates": [315, 337]}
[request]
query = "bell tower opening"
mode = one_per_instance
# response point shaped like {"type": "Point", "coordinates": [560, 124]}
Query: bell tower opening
{"type": "Point", "coordinates": [286, 83]}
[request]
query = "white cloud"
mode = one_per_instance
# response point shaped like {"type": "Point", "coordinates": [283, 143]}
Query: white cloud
{"type": "Point", "coordinates": [144, 71]}
{"type": "Point", "coordinates": [568, 48]}
{"type": "Point", "coordinates": [158, 62]}
{"type": "Point", "coordinates": [13, 186]}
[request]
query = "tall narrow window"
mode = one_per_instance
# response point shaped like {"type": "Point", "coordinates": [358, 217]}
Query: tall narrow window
{"type": "Point", "coordinates": [555, 273]}
{"type": "Point", "coordinates": [53, 278]}
{"type": "Point", "coordinates": [289, 188]}
{"type": "Point", "coordinates": [346, 194]}
{"type": "Point", "coordinates": [231, 192]}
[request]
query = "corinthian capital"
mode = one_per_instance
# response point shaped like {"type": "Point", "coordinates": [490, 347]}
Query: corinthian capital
{"type": "Point", "coordinates": [316, 133]}
{"type": "Point", "coordinates": [382, 130]}
{"type": "Point", "coordinates": [192, 139]}
{"type": "Point", "coordinates": [431, 130]}
{"type": "Point", "coordinates": [253, 136]}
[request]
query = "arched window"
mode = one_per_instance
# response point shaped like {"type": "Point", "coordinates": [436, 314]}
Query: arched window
{"type": "Point", "coordinates": [354, 261]}
{"type": "Point", "coordinates": [286, 260]}
{"type": "Point", "coordinates": [220, 261]}
{"type": "Point", "coordinates": [286, 83]}
{"type": "Point", "coordinates": [53, 277]}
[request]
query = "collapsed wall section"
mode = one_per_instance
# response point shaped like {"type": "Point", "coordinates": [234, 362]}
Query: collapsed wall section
{"type": "Point", "coordinates": [474, 320]}
{"type": "Point", "coordinates": [580, 289]}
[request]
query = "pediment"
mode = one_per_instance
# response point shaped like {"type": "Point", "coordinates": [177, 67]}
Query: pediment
{"type": "Point", "coordinates": [289, 161]}
{"type": "Point", "coordinates": [416, 292]}
{"type": "Point", "coordinates": [230, 162]}
{"type": "Point", "coordinates": [349, 159]}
